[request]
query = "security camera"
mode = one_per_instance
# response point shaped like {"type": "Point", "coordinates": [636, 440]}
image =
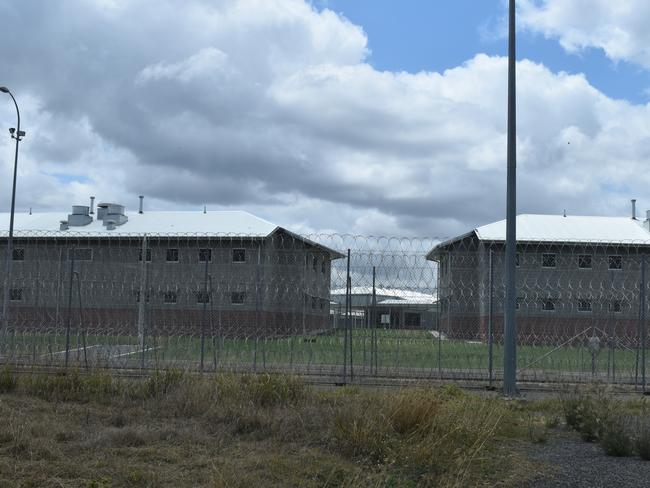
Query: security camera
{"type": "Point", "coordinates": [12, 130]}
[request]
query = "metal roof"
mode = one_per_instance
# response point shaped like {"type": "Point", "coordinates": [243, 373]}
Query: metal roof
{"type": "Point", "coordinates": [560, 229]}
{"type": "Point", "coordinates": [227, 223]}
{"type": "Point", "coordinates": [396, 295]}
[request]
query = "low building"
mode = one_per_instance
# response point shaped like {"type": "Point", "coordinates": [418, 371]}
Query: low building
{"type": "Point", "coordinates": [577, 277]}
{"type": "Point", "coordinates": [395, 308]}
{"type": "Point", "coordinates": [226, 270]}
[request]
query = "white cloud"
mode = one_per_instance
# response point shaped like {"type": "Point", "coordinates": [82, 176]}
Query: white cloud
{"type": "Point", "coordinates": [269, 106]}
{"type": "Point", "coordinates": [619, 28]}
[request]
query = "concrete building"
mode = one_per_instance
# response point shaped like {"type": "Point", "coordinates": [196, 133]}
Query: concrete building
{"type": "Point", "coordinates": [228, 270]}
{"type": "Point", "coordinates": [576, 277]}
{"type": "Point", "coordinates": [395, 309]}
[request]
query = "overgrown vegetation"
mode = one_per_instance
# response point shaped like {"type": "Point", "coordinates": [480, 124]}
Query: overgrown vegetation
{"type": "Point", "coordinates": [173, 429]}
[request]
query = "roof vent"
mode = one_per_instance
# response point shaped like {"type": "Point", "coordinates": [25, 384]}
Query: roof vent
{"type": "Point", "coordinates": [79, 216]}
{"type": "Point", "coordinates": [634, 209]}
{"type": "Point", "coordinates": [92, 205]}
{"type": "Point", "coordinates": [110, 224]}
{"type": "Point", "coordinates": [111, 212]}
{"type": "Point", "coordinates": [63, 225]}
{"type": "Point", "coordinates": [141, 197]}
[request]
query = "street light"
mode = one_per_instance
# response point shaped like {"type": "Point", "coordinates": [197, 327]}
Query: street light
{"type": "Point", "coordinates": [18, 135]}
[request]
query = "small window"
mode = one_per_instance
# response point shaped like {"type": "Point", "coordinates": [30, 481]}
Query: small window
{"type": "Point", "coordinates": [548, 260]}
{"type": "Point", "coordinates": [615, 262]}
{"type": "Point", "coordinates": [16, 294]}
{"type": "Point", "coordinates": [548, 305]}
{"type": "Point", "coordinates": [18, 254]}
{"type": "Point", "coordinates": [81, 254]}
{"type": "Point", "coordinates": [237, 297]}
{"type": "Point", "coordinates": [170, 297]}
{"type": "Point", "coordinates": [313, 302]}
{"type": "Point", "coordinates": [517, 260]}
{"type": "Point", "coordinates": [203, 297]}
{"type": "Point", "coordinates": [148, 253]}
{"type": "Point", "coordinates": [205, 255]}
{"type": "Point", "coordinates": [584, 261]}
{"type": "Point", "coordinates": [314, 263]}
{"type": "Point", "coordinates": [137, 296]}
{"type": "Point", "coordinates": [323, 267]}
{"type": "Point", "coordinates": [239, 255]}
{"type": "Point", "coordinates": [615, 306]}
{"type": "Point", "coordinates": [584, 305]}
{"type": "Point", "coordinates": [172, 255]}
{"type": "Point", "coordinates": [518, 303]}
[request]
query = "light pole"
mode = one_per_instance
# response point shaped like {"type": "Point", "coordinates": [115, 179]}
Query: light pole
{"type": "Point", "coordinates": [16, 134]}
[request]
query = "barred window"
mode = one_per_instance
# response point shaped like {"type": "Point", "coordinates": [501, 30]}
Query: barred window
{"type": "Point", "coordinates": [172, 255]}
{"type": "Point", "coordinates": [203, 297]}
{"type": "Point", "coordinates": [584, 261]}
{"type": "Point", "coordinates": [137, 296]}
{"type": "Point", "coordinates": [80, 254]}
{"type": "Point", "coordinates": [548, 305]}
{"type": "Point", "coordinates": [548, 260]}
{"type": "Point", "coordinates": [237, 297]}
{"type": "Point", "coordinates": [615, 262]}
{"type": "Point", "coordinates": [584, 305]}
{"type": "Point", "coordinates": [323, 266]}
{"type": "Point", "coordinates": [314, 263]}
{"type": "Point", "coordinates": [205, 255]}
{"type": "Point", "coordinates": [16, 294]}
{"type": "Point", "coordinates": [615, 306]}
{"type": "Point", "coordinates": [170, 297]}
{"type": "Point", "coordinates": [147, 252]}
{"type": "Point", "coordinates": [517, 260]}
{"type": "Point", "coordinates": [239, 255]}
{"type": "Point", "coordinates": [18, 254]}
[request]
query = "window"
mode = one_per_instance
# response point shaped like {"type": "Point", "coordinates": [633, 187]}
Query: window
{"type": "Point", "coordinates": [323, 267]}
{"type": "Point", "coordinates": [412, 320]}
{"type": "Point", "coordinates": [548, 260]}
{"type": "Point", "coordinates": [170, 297]}
{"type": "Point", "coordinates": [16, 294]}
{"type": "Point", "coordinates": [205, 255]}
{"type": "Point", "coordinates": [313, 302]}
{"type": "Point", "coordinates": [81, 254]}
{"type": "Point", "coordinates": [615, 262]}
{"type": "Point", "coordinates": [584, 261]}
{"type": "Point", "coordinates": [517, 260]}
{"type": "Point", "coordinates": [314, 263]}
{"type": "Point", "coordinates": [137, 296]}
{"type": "Point", "coordinates": [548, 305]}
{"type": "Point", "coordinates": [148, 253]}
{"type": "Point", "coordinates": [172, 255]}
{"type": "Point", "coordinates": [584, 305]}
{"type": "Point", "coordinates": [18, 254]}
{"type": "Point", "coordinates": [203, 297]}
{"type": "Point", "coordinates": [237, 297]}
{"type": "Point", "coordinates": [615, 306]}
{"type": "Point", "coordinates": [518, 303]}
{"type": "Point", "coordinates": [239, 255]}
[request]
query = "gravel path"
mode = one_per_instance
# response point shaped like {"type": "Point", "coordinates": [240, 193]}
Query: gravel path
{"type": "Point", "coordinates": [572, 462]}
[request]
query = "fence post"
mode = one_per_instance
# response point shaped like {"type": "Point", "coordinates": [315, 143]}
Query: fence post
{"type": "Point", "coordinates": [69, 317]}
{"type": "Point", "coordinates": [205, 305]}
{"type": "Point", "coordinates": [143, 299]}
{"type": "Point", "coordinates": [347, 320]}
{"type": "Point", "coordinates": [374, 348]}
{"type": "Point", "coordinates": [490, 314]}
{"type": "Point", "coordinates": [643, 307]}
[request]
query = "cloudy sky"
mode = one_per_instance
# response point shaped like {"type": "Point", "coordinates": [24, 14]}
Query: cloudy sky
{"type": "Point", "coordinates": [363, 116]}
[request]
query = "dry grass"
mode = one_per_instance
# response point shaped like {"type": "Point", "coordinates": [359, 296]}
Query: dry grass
{"type": "Point", "coordinates": [175, 430]}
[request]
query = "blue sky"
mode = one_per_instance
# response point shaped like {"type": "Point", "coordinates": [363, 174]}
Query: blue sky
{"type": "Point", "coordinates": [417, 35]}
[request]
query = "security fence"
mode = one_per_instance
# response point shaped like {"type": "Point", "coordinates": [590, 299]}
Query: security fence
{"type": "Point", "coordinates": [344, 307]}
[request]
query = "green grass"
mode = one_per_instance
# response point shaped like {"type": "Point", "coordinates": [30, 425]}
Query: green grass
{"type": "Point", "coordinates": [409, 351]}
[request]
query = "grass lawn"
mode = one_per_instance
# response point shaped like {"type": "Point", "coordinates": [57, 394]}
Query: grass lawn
{"type": "Point", "coordinates": [397, 350]}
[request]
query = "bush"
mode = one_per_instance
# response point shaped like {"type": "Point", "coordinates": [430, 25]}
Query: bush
{"type": "Point", "coordinates": [8, 380]}
{"type": "Point", "coordinates": [643, 442]}
{"type": "Point", "coordinates": [615, 440]}
{"type": "Point", "coordinates": [587, 413]}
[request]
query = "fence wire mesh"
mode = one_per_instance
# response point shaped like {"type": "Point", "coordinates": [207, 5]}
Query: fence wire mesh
{"type": "Point", "coordinates": [344, 306]}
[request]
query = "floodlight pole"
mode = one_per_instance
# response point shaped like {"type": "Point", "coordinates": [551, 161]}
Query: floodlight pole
{"type": "Point", "coordinates": [10, 238]}
{"type": "Point", "coordinates": [510, 324]}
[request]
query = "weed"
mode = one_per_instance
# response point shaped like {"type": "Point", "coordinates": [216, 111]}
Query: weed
{"type": "Point", "coordinates": [643, 442]}
{"type": "Point", "coordinates": [8, 380]}
{"type": "Point", "coordinates": [615, 440]}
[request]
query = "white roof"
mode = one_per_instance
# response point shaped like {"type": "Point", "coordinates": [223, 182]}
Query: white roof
{"type": "Point", "coordinates": [395, 295]}
{"type": "Point", "coordinates": [236, 223]}
{"type": "Point", "coordinates": [557, 228]}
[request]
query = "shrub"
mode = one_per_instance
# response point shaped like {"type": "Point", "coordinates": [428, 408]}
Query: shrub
{"type": "Point", "coordinates": [160, 383]}
{"type": "Point", "coordinates": [615, 440]}
{"type": "Point", "coordinates": [643, 442]}
{"type": "Point", "coordinates": [587, 413]}
{"type": "Point", "coordinates": [8, 380]}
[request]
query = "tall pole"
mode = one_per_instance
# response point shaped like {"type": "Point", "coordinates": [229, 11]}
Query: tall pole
{"type": "Point", "coordinates": [10, 239]}
{"type": "Point", "coordinates": [510, 332]}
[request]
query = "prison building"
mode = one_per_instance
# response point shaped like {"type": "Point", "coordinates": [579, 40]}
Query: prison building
{"type": "Point", "coordinates": [393, 308]}
{"type": "Point", "coordinates": [577, 277]}
{"type": "Point", "coordinates": [227, 272]}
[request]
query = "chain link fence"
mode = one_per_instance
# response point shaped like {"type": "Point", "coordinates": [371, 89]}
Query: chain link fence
{"type": "Point", "coordinates": [342, 306]}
